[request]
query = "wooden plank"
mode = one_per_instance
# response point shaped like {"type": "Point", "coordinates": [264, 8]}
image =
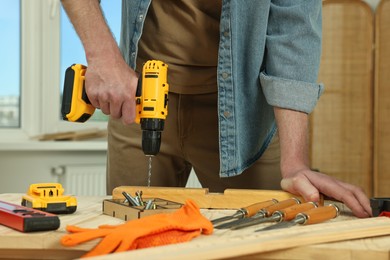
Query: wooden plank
{"type": "Point", "coordinates": [242, 244]}
{"type": "Point", "coordinates": [342, 122]}
{"type": "Point", "coordinates": [230, 199]}
{"type": "Point", "coordinates": [357, 249]}
{"type": "Point", "coordinates": [85, 134]}
{"type": "Point", "coordinates": [382, 101]}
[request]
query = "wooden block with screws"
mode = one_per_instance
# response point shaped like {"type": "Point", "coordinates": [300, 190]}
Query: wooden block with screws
{"type": "Point", "coordinates": [120, 208]}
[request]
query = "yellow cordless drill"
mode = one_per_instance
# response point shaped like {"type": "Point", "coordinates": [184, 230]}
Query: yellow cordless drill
{"type": "Point", "coordinates": [151, 102]}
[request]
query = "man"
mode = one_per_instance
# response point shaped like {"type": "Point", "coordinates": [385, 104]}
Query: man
{"type": "Point", "coordinates": [242, 78]}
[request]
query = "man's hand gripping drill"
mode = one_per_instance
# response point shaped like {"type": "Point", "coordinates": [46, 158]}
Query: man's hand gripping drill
{"type": "Point", "coordinates": [151, 103]}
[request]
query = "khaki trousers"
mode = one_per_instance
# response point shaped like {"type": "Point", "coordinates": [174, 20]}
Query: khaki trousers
{"type": "Point", "coordinates": [189, 140]}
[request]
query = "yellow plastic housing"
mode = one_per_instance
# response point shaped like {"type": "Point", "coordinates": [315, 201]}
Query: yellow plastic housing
{"type": "Point", "coordinates": [153, 102]}
{"type": "Point", "coordinates": [49, 197]}
{"type": "Point", "coordinates": [80, 106]}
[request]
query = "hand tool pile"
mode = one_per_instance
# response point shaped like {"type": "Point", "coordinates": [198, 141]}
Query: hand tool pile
{"type": "Point", "coordinates": [284, 213]}
{"type": "Point", "coordinates": [133, 205]}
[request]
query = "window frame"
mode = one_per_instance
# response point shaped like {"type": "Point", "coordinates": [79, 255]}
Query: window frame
{"type": "Point", "coordinates": [40, 74]}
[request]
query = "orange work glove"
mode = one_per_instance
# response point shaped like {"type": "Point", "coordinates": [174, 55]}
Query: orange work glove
{"type": "Point", "coordinates": [155, 230]}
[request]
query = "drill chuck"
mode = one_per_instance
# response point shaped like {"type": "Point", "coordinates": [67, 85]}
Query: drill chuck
{"type": "Point", "coordinates": [151, 135]}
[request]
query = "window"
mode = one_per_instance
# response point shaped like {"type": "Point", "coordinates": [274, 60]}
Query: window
{"type": "Point", "coordinates": [40, 44]}
{"type": "Point", "coordinates": [10, 64]}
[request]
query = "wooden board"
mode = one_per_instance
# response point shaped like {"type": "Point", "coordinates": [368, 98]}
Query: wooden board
{"type": "Point", "coordinates": [119, 209]}
{"type": "Point", "coordinates": [382, 101]}
{"type": "Point", "coordinates": [357, 249]}
{"type": "Point", "coordinates": [86, 134]}
{"type": "Point", "coordinates": [342, 122]}
{"type": "Point", "coordinates": [231, 244]}
{"type": "Point", "coordinates": [230, 199]}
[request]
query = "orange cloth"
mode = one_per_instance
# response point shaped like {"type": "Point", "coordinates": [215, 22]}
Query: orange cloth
{"type": "Point", "coordinates": [155, 230]}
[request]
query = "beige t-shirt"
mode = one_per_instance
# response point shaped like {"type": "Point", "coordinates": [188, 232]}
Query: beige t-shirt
{"type": "Point", "coordinates": [185, 35]}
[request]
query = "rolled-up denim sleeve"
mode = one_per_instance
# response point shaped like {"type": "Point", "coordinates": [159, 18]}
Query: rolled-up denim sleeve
{"type": "Point", "coordinates": [292, 57]}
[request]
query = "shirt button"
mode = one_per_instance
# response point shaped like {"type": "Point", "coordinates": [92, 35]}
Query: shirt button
{"type": "Point", "coordinates": [225, 75]}
{"type": "Point", "coordinates": [226, 33]}
{"type": "Point", "coordinates": [140, 17]}
{"type": "Point", "coordinates": [226, 114]}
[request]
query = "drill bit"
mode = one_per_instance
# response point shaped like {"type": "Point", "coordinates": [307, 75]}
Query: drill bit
{"type": "Point", "coordinates": [150, 170]}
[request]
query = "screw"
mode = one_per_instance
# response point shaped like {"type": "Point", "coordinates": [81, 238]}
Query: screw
{"type": "Point", "coordinates": [132, 201]}
{"type": "Point", "coordinates": [139, 197]}
{"type": "Point", "coordinates": [149, 204]}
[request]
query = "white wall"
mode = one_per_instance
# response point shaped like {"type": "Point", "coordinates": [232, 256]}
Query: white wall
{"type": "Point", "coordinates": [19, 169]}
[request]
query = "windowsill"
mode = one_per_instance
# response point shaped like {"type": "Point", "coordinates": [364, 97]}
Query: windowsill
{"type": "Point", "coordinates": [90, 145]}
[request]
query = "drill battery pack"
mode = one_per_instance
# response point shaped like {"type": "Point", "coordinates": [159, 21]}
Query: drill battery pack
{"type": "Point", "coordinates": [76, 106]}
{"type": "Point", "coordinates": [49, 197]}
{"type": "Point", "coordinates": [26, 219]}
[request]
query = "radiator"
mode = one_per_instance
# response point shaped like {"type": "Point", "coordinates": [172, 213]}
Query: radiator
{"type": "Point", "coordinates": [82, 179]}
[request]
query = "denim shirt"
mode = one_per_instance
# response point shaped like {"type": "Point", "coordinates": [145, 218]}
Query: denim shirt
{"type": "Point", "coordinates": [269, 55]}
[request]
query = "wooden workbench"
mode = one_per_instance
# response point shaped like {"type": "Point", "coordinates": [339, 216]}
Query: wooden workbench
{"type": "Point", "coordinates": [371, 239]}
